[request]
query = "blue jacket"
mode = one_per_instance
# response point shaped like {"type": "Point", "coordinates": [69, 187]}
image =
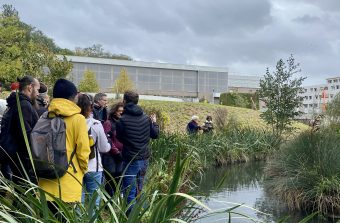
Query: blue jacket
{"type": "Point", "coordinates": [193, 127]}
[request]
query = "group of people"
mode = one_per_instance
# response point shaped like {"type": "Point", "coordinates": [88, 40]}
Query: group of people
{"type": "Point", "coordinates": [105, 142]}
{"type": "Point", "coordinates": [193, 126]}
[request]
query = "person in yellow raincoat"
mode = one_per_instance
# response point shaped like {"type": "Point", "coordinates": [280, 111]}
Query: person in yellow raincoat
{"type": "Point", "coordinates": [69, 189]}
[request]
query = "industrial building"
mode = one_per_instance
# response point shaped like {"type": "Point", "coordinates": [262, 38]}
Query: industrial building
{"type": "Point", "coordinates": [161, 79]}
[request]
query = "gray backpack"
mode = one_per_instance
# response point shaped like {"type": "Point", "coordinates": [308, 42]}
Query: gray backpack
{"type": "Point", "coordinates": [48, 139]}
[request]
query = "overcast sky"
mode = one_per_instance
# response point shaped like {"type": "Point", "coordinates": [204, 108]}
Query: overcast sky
{"type": "Point", "coordinates": [246, 36]}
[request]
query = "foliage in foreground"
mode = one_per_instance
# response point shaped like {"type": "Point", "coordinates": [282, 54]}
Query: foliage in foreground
{"type": "Point", "coordinates": [305, 173]}
{"type": "Point", "coordinates": [28, 204]}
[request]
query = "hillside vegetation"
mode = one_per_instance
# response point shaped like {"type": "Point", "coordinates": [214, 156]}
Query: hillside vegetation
{"type": "Point", "coordinates": [178, 114]}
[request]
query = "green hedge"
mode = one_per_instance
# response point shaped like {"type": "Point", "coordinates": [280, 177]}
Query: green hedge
{"type": "Point", "coordinates": [242, 100]}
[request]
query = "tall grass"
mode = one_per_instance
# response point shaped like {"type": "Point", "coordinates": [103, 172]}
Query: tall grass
{"type": "Point", "coordinates": [176, 155]}
{"type": "Point", "coordinates": [28, 204]}
{"type": "Point", "coordinates": [305, 173]}
{"type": "Point", "coordinates": [233, 144]}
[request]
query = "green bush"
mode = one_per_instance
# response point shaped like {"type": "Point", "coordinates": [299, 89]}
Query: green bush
{"type": "Point", "coordinates": [163, 118]}
{"type": "Point", "coordinates": [243, 100]}
{"type": "Point", "coordinates": [305, 173]}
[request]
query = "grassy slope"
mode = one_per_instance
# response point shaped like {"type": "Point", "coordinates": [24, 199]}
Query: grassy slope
{"type": "Point", "coordinates": [180, 114]}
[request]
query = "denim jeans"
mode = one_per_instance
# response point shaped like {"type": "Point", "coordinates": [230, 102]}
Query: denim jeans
{"type": "Point", "coordinates": [134, 178]}
{"type": "Point", "coordinates": [91, 182]}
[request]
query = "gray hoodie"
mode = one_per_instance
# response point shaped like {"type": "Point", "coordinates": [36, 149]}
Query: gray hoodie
{"type": "Point", "coordinates": [103, 146]}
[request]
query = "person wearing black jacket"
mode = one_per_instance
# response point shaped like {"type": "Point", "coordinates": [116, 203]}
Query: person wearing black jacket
{"type": "Point", "coordinates": [99, 107]}
{"type": "Point", "coordinates": [134, 130]}
{"type": "Point", "coordinates": [28, 92]}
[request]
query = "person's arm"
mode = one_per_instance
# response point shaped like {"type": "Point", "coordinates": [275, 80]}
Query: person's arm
{"type": "Point", "coordinates": [154, 130]}
{"type": "Point", "coordinates": [82, 142]}
{"type": "Point", "coordinates": [103, 144]}
{"type": "Point", "coordinates": [27, 115]}
{"type": "Point", "coordinates": [112, 135]}
{"type": "Point", "coordinates": [120, 131]}
{"type": "Point", "coordinates": [107, 127]}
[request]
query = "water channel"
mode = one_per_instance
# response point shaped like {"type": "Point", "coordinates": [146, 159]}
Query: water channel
{"type": "Point", "coordinates": [243, 184]}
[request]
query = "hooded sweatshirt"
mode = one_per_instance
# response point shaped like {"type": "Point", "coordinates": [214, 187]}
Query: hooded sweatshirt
{"type": "Point", "coordinates": [103, 146]}
{"type": "Point", "coordinates": [76, 138]}
{"type": "Point", "coordinates": [30, 118]}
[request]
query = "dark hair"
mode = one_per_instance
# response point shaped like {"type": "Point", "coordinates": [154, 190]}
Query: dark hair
{"type": "Point", "coordinates": [114, 109]}
{"type": "Point", "coordinates": [25, 81]}
{"type": "Point", "coordinates": [99, 97]}
{"type": "Point", "coordinates": [209, 118]}
{"type": "Point", "coordinates": [131, 96]}
{"type": "Point", "coordinates": [43, 88]}
{"type": "Point", "coordinates": [64, 89]}
{"type": "Point", "coordinates": [85, 103]}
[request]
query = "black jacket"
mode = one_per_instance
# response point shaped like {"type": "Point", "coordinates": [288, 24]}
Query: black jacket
{"type": "Point", "coordinates": [99, 113]}
{"type": "Point", "coordinates": [30, 118]}
{"type": "Point", "coordinates": [134, 130]}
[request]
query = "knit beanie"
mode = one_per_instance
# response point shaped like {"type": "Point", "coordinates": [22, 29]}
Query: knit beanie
{"type": "Point", "coordinates": [64, 89]}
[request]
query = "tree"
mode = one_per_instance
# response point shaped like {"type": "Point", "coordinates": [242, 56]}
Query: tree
{"type": "Point", "coordinates": [279, 90]}
{"type": "Point", "coordinates": [97, 50]}
{"type": "Point", "coordinates": [123, 82]}
{"type": "Point", "coordinates": [23, 50]}
{"type": "Point", "coordinates": [89, 83]}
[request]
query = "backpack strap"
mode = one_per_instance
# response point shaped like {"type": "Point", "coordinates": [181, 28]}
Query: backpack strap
{"type": "Point", "coordinates": [53, 115]}
{"type": "Point", "coordinates": [71, 162]}
{"type": "Point", "coordinates": [95, 146]}
{"type": "Point", "coordinates": [97, 154]}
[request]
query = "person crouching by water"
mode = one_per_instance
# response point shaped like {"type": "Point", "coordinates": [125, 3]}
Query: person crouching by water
{"type": "Point", "coordinates": [208, 125]}
{"type": "Point", "coordinates": [93, 177]}
{"type": "Point", "coordinates": [193, 127]}
{"type": "Point", "coordinates": [112, 161]}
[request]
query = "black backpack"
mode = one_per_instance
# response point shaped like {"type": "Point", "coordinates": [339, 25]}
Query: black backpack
{"type": "Point", "coordinates": [8, 145]}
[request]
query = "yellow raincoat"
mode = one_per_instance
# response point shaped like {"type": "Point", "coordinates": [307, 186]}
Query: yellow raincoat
{"type": "Point", "coordinates": [76, 137]}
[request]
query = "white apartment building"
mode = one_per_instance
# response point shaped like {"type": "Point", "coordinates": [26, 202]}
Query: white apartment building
{"type": "Point", "coordinates": [316, 97]}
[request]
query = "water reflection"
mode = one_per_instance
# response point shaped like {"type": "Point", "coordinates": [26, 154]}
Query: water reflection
{"type": "Point", "coordinates": [222, 188]}
{"type": "Point", "coordinates": [232, 178]}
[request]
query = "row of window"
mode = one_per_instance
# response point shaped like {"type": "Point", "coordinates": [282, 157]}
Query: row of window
{"type": "Point", "coordinates": [333, 81]}
{"type": "Point", "coordinates": [333, 87]}
{"type": "Point", "coordinates": [315, 89]}
{"type": "Point", "coordinates": [310, 105]}
{"type": "Point", "coordinates": [317, 97]}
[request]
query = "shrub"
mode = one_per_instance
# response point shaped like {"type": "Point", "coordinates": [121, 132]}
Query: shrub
{"type": "Point", "coordinates": [243, 100]}
{"type": "Point", "coordinates": [305, 173]}
{"type": "Point", "coordinates": [221, 116]}
{"type": "Point", "coordinates": [163, 118]}
{"type": "Point", "coordinates": [89, 82]}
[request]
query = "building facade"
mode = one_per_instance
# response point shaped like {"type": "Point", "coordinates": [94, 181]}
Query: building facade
{"type": "Point", "coordinates": [316, 97]}
{"type": "Point", "coordinates": [243, 83]}
{"type": "Point", "coordinates": [160, 79]}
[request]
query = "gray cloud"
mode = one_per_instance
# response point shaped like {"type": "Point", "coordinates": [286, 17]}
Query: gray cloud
{"type": "Point", "coordinates": [245, 35]}
{"type": "Point", "coordinates": [307, 19]}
